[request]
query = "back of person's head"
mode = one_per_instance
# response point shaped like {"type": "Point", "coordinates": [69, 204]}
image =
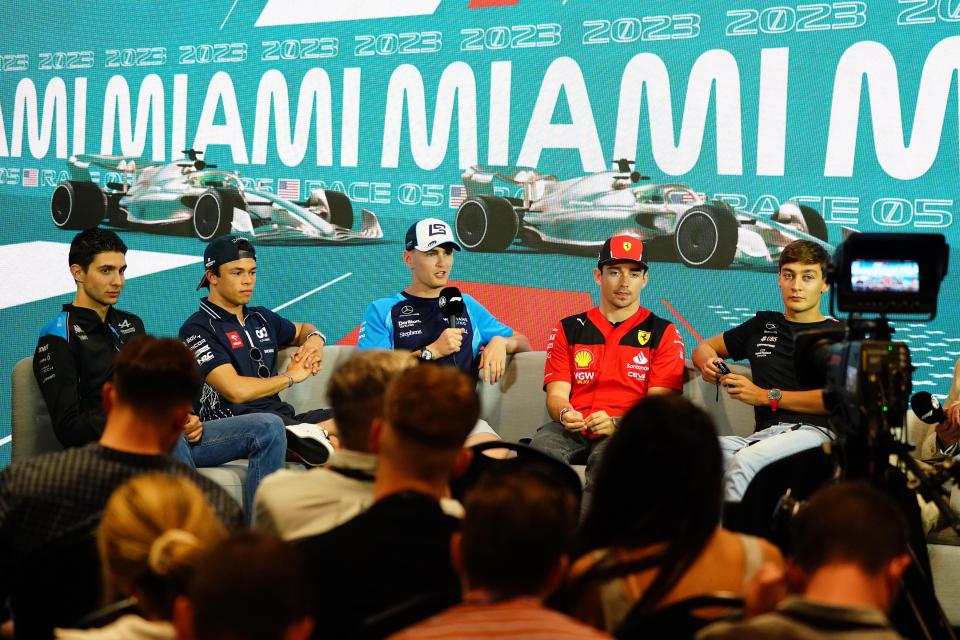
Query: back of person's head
{"type": "Point", "coordinates": [88, 243]}
{"type": "Point", "coordinates": [660, 481]}
{"type": "Point", "coordinates": [848, 523]}
{"type": "Point", "coordinates": [251, 586]}
{"type": "Point", "coordinates": [154, 529]}
{"type": "Point", "coordinates": [356, 392]}
{"type": "Point", "coordinates": [805, 252]}
{"type": "Point", "coordinates": [517, 532]}
{"type": "Point", "coordinates": [428, 413]}
{"type": "Point", "coordinates": [156, 375]}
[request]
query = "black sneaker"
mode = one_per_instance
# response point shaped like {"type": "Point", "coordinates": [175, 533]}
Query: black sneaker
{"type": "Point", "coordinates": [309, 444]}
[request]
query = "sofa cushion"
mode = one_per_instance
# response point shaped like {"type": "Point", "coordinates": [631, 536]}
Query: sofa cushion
{"type": "Point", "coordinates": [31, 427]}
{"type": "Point", "coordinates": [312, 392]}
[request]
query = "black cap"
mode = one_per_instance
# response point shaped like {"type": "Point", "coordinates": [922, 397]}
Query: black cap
{"type": "Point", "coordinates": [223, 250]}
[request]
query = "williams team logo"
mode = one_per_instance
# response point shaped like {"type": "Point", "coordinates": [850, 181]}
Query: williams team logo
{"type": "Point", "coordinates": [643, 337]}
{"type": "Point", "coordinates": [583, 359]}
{"type": "Point", "coordinates": [235, 340]}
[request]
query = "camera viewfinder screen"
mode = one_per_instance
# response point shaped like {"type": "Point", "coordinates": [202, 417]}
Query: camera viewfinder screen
{"type": "Point", "coordinates": [885, 276]}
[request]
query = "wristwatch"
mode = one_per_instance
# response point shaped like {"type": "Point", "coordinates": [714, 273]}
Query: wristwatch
{"type": "Point", "coordinates": [774, 396]}
{"type": "Point", "coordinates": [426, 354]}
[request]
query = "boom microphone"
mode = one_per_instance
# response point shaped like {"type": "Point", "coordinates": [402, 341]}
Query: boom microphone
{"type": "Point", "coordinates": [927, 408]}
{"type": "Point", "coordinates": [451, 305]}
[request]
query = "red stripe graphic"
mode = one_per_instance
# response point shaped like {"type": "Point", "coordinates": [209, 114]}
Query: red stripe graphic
{"type": "Point", "coordinates": [682, 320]}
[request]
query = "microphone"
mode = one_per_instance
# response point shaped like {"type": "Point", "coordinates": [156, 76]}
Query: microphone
{"type": "Point", "coordinates": [451, 305]}
{"type": "Point", "coordinates": [927, 408]}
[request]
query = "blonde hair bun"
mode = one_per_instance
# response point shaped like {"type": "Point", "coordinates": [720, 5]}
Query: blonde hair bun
{"type": "Point", "coordinates": [172, 550]}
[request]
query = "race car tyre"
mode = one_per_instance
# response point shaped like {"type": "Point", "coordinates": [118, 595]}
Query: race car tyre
{"type": "Point", "coordinates": [815, 223]}
{"type": "Point", "coordinates": [706, 237]}
{"type": "Point", "coordinates": [213, 212]}
{"type": "Point", "coordinates": [77, 204]}
{"type": "Point", "coordinates": [341, 209]}
{"type": "Point", "coordinates": [116, 216]}
{"type": "Point", "coordinates": [486, 223]}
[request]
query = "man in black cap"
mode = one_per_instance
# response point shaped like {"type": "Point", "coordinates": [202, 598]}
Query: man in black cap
{"type": "Point", "coordinates": [603, 361]}
{"type": "Point", "coordinates": [236, 348]}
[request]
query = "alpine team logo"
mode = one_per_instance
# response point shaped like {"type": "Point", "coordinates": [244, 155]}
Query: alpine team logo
{"type": "Point", "coordinates": [235, 340]}
{"type": "Point", "coordinates": [583, 358]}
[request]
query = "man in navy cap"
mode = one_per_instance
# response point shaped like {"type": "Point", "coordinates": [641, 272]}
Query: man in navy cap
{"type": "Point", "coordinates": [603, 361]}
{"type": "Point", "coordinates": [236, 348]}
{"type": "Point", "coordinates": [412, 319]}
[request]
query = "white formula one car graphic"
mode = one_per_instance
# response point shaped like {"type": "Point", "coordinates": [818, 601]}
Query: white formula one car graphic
{"type": "Point", "coordinates": [673, 221]}
{"type": "Point", "coordinates": [194, 197]}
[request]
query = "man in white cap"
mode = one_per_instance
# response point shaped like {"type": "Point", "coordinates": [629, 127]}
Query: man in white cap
{"type": "Point", "coordinates": [413, 320]}
{"type": "Point", "coordinates": [603, 361]}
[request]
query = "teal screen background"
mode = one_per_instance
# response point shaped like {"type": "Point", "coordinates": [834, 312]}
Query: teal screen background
{"type": "Point", "coordinates": [852, 107]}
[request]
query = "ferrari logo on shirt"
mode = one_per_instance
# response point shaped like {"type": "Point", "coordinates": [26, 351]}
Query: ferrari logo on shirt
{"type": "Point", "coordinates": [643, 337]}
{"type": "Point", "coordinates": [583, 358]}
{"type": "Point", "coordinates": [235, 340]}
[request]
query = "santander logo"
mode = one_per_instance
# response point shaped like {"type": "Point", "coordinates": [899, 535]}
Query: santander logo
{"type": "Point", "coordinates": [640, 358]}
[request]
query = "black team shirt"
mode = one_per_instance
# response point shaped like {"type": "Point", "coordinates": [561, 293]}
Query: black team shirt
{"type": "Point", "coordinates": [767, 340]}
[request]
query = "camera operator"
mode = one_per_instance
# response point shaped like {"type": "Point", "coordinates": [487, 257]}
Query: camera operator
{"type": "Point", "coordinates": [789, 417]}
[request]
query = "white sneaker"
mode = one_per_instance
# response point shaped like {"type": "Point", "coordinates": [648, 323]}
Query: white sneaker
{"type": "Point", "coordinates": [309, 443]}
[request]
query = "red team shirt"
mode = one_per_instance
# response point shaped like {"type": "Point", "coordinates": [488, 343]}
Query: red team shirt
{"type": "Point", "coordinates": [610, 368]}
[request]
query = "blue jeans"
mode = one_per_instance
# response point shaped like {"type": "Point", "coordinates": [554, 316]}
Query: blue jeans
{"type": "Point", "coordinates": [743, 458]}
{"type": "Point", "coordinates": [572, 448]}
{"type": "Point", "coordinates": [259, 437]}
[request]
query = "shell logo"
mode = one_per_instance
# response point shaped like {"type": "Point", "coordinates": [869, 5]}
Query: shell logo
{"type": "Point", "coordinates": [583, 358]}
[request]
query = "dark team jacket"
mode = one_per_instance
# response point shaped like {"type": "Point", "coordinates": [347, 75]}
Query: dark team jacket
{"type": "Point", "coordinates": [611, 367]}
{"type": "Point", "coordinates": [73, 358]}
{"type": "Point", "coordinates": [767, 342]}
{"type": "Point", "coordinates": [217, 337]}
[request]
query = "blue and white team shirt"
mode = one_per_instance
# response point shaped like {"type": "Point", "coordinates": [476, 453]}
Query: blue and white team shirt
{"type": "Point", "coordinates": [407, 322]}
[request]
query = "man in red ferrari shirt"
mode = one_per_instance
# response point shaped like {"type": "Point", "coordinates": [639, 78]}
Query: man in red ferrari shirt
{"type": "Point", "coordinates": [601, 362]}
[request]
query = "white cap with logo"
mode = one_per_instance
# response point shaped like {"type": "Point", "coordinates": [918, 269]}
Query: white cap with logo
{"type": "Point", "coordinates": [428, 234]}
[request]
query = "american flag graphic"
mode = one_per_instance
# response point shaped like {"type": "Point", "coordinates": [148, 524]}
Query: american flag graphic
{"type": "Point", "coordinates": [458, 193]}
{"type": "Point", "coordinates": [289, 189]}
{"type": "Point", "coordinates": [31, 177]}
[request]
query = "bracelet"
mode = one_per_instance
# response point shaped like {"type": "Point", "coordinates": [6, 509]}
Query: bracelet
{"type": "Point", "coordinates": [289, 379]}
{"type": "Point", "coordinates": [316, 332]}
{"type": "Point", "coordinates": [563, 411]}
